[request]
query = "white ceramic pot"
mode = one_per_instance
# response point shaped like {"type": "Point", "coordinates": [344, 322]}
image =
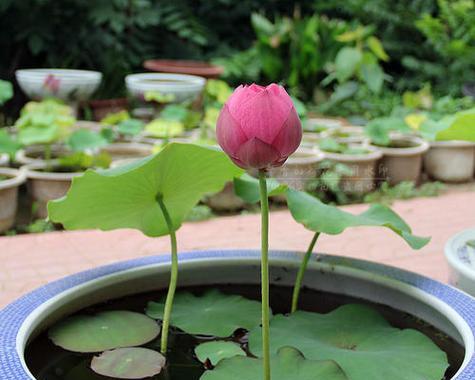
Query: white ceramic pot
{"type": "Point", "coordinates": [4, 159]}
{"type": "Point", "coordinates": [34, 154]}
{"type": "Point", "coordinates": [363, 166]}
{"type": "Point", "coordinates": [182, 87]}
{"type": "Point", "coordinates": [9, 196]}
{"type": "Point", "coordinates": [461, 258]}
{"type": "Point", "coordinates": [402, 163]}
{"type": "Point", "coordinates": [65, 84]}
{"type": "Point", "coordinates": [447, 309]}
{"type": "Point", "coordinates": [450, 161]}
{"type": "Point", "coordinates": [45, 186]}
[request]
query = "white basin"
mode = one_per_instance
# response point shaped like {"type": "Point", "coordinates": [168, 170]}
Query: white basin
{"type": "Point", "coordinates": [182, 87]}
{"type": "Point", "coordinates": [461, 258]}
{"type": "Point", "coordinates": [65, 84]}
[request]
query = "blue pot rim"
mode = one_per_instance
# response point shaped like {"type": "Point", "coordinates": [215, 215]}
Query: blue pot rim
{"type": "Point", "coordinates": [14, 314]}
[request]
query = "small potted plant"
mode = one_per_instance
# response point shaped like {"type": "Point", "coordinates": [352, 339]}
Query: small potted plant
{"type": "Point", "coordinates": [402, 150]}
{"type": "Point", "coordinates": [361, 160]}
{"type": "Point", "coordinates": [325, 319]}
{"type": "Point", "coordinates": [451, 156]}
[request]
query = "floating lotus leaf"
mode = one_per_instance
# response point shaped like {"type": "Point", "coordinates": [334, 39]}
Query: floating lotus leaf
{"type": "Point", "coordinates": [218, 350]}
{"type": "Point", "coordinates": [104, 331]}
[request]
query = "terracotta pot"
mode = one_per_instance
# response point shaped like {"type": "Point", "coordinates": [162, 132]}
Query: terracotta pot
{"type": "Point", "coordinates": [363, 166]}
{"type": "Point", "coordinates": [102, 107]}
{"type": "Point", "coordinates": [402, 163]}
{"type": "Point", "coordinates": [202, 69]}
{"type": "Point", "coordinates": [9, 196]}
{"type": "Point", "coordinates": [35, 154]}
{"type": "Point", "coordinates": [300, 168]}
{"type": "Point", "coordinates": [450, 161]}
{"type": "Point", "coordinates": [45, 186]}
{"type": "Point", "coordinates": [225, 200]}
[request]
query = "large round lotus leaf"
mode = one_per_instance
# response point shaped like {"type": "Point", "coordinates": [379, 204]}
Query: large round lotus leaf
{"type": "Point", "coordinates": [217, 351]}
{"type": "Point", "coordinates": [360, 340]}
{"type": "Point", "coordinates": [104, 331]}
{"type": "Point", "coordinates": [128, 363]}
{"type": "Point", "coordinates": [214, 313]}
{"type": "Point", "coordinates": [287, 364]}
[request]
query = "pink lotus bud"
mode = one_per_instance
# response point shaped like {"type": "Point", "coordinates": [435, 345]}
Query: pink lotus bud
{"type": "Point", "coordinates": [258, 126]}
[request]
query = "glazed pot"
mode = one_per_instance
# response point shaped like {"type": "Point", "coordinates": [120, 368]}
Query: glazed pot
{"type": "Point", "coordinates": [300, 168]}
{"type": "Point", "coordinates": [447, 309]}
{"type": "Point", "coordinates": [402, 160]}
{"type": "Point", "coordinates": [181, 87]}
{"type": "Point", "coordinates": [363, 166]}
{"type": "Point", "coordinates": [9, 196]}
{"type": "Point", "coordinates": [68, 85]}
{"type": "Point", "coordinates": [45, 186]}
{"type": "Point", "coordinates": [450, 161]}
{"type": "Point", "coordinates": [199, 68]}
{"type": "Point", "coordinates": [461, 258]}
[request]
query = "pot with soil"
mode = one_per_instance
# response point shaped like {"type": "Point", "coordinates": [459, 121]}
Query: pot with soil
{"type": "Point", "coordinates": [47, 182]}
{"type": "Point", "coordinates": [402, 159]}
{"type": "Point", "coordinates": [450, 161]}
{"type": "Point", "coordinates": [362, 161]}
{"type": "Point", "coordinates": [460, 253]}
{"type": "Point", "coordinates": [199, 68]}
{"type": "Point", "coordinates": [405, 299]}
{"type": "Point", "coordinates": [10, 181]}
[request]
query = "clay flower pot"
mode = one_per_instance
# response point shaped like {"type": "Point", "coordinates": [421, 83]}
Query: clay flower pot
{"type": "Point", "coordinates": [402, 159]}
{"type": "Point", "coordinates": [199, 68]}
{"type": "Point", "coordinates": [450, 161]}
{"type": "Point", "coordinates": [45, 186]}
{"type": "Point", "coordinates": [128, 150]}
{"type": "Point", "coordinates": [34, 154]}
{"type": "Point", "coordinates": [102, 107]}
{"type": "Point", "coordinates": [12, 179]}
{"type": "Point", "coordinates": [363, 166]}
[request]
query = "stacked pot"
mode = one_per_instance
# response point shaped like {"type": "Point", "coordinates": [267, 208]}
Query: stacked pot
{"type": "Point", "coordinates": [10, 182]}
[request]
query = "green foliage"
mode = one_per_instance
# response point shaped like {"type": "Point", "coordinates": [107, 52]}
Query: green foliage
{"type": "Point", "coordinates": [44, 122]}
{"type": "Point", "coordinates": [404, 190]}
{"type": "Point", "coordinates": [6, 91]}
{"type": "Point", "coordinates": [129, 363]}
{"type": "Point", "coordinates": [319, 217]}
{"type": "Point", "coordinates": [84, 139]}
{"type": "Point", "coordinates": [80, 161]}
{"type": "Point", "coordinates": [360, 341]}
{"type": "Point", "coordinates": [199, 213]}
{"type": "Point", "coordinates": [125, 197]}
{"type": "Point", "coordinates": [380, 129]}
{"type": "Point", "coordinates": [130, 127]}
{"type": "Point", "coordinates": [287, 363]}
{"type": "Point", "coordinates": [216, 351]}
{"type": "Point", "coordinates": [8, 144]}
{"type": "Point", "coordinates": [452, 127]}
{"type": "Point", "coordinates": [213, 313]}
{"type": "Point", "coordinates": [331, 145]}
{"type": "Point", "coordinates": [247, 188]}
{"type": "Point", "coordinates": [104, 331]}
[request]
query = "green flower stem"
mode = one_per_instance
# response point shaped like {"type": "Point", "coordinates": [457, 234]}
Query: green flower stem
{"type": "Point", "coordinates": [265, 272]}
{"type": "Point", "coordinates": [173, 279]}
{"type": "Point", "coordinates": [301, 273]}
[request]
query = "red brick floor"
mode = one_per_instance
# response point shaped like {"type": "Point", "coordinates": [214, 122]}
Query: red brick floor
{"type": "Point", "coordinates": [28, 261]}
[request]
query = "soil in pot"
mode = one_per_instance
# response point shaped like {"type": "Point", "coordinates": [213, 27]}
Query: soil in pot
{"type": "Point", "coordinates": [49, 362]}
{"type": "Point", "coordinates": [402, 160]}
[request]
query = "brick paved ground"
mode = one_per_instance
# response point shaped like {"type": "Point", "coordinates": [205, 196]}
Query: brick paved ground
{"type": "Point", "coordinates": [28, 261]}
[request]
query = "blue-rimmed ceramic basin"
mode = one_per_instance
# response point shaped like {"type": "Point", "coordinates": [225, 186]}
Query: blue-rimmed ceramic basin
{"type": "Point", "coordinates": [446, 308]}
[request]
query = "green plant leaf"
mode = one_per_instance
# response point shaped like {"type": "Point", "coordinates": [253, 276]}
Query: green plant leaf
{"type": "Point", "coordinates": [373, 76]}
{"type": "Point", "coordinates": [319, 217]}
{"type": "Point", "coordinates": [38, 134]}
{"type": "Point", "coordinates": [85, 139]}
{"type": "Point", "coordinates": [6, 91]}
{"type": "Point", "coordinates": [346, 62]}
{"type": "Point", "coordinates": [115, 118]}
{"type": "Point", "coordinates": [247, 188]}
{"type": "Point", "coordinates": [286, 364]}
{"type": "Point", "coordinates": [360, 341]}
{"type": "Point", "coordinates": [377, 48]}
{"type": "Point", "coordinates": [162, 128]}
{"type": "Point", "coordinates": [461, 128]}
{"type": "Point", "coordinates": [217, 351]}
{"type": "Point", "coordinates": [131, 127]}
{"type": "Point", "coordinates": [104, 331]}
{"type": "Point", "coordinates": [379, 129]}
{"type": "Point", "coordinates": [8, 144]}
{"type": "Point", "coordinates": [344, 91]}
{"type": "Point", "coordinates": [214, 313]}
{"type": "Point", "coordinates": [129, 363]}
{"type": "Point", "coordinates": [125, 197]}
